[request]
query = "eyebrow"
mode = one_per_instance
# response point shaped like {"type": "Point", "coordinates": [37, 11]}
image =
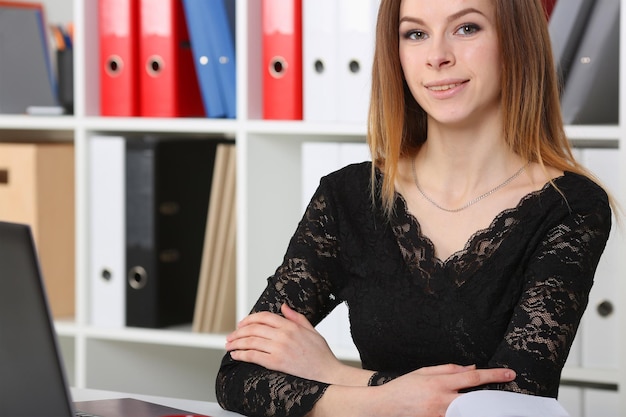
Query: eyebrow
{"type": "Point", "coordinates": [450, 18]}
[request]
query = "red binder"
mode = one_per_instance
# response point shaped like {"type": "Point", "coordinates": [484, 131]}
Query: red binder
{"type": "Point", "coordinates": [169, 86]}
{"type": "Point", "coordinates": [549, 6]}
{"type": "Point", "coordinates": [282, 59]}
{"type": "Point", "coordinates": [118, 22]}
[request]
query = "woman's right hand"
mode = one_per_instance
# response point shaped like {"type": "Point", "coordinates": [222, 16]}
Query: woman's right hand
{"type": "Point", "coordinates": [426, 392]}
{"type": "Point", "coordinates": [431, 389]}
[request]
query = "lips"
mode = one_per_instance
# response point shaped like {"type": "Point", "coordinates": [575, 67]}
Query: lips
{"type": "Point", "coordinates": [444, 87]}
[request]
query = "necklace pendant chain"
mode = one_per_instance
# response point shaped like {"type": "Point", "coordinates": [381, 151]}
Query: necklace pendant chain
{"type": "Point", "coordinates": [471, 202]}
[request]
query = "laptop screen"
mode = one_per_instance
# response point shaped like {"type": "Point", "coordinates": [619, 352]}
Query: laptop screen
{"type": "Point", "coordinates": [32, 379]}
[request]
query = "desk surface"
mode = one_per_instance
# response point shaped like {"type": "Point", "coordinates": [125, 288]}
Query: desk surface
{"type": "Point", "coordinates": [500, 403]}
{"type": "Point", "coordinates": [200, 407]}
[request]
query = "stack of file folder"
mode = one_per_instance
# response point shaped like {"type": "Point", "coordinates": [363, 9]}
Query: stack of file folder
{"type": "Point", "coordinates": [215, 310]}
{"type": "Point", "coordinates": [149, 202]}
{"type": "Point", "coordinates": [167, 58]}
{"type": "Point", "coordinates": [317, 58]}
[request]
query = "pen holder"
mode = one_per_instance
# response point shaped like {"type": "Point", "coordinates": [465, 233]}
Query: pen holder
{"type": "Point", "coordinates": [65, 74]}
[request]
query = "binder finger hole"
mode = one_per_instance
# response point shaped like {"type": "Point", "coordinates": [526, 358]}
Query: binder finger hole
{"type": "Point", "coordinates": [114, 65]}
{"type": "Point", "coordinates": [605, 308]}
{"type": "Point", "coordinates": [318, 66]}
{"type": "Point", "coordinates": [154, 66]}
{"type": "Point", "coordinates": [278, 67]}
{"type": "Point", "coordinates": [106, 274]}
{"type": "Point", "coordinates": [354, 66]}
{"type": "Point", "coordinates": [137, 277]}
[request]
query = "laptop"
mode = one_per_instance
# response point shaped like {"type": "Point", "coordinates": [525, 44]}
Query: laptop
{"type": "Point", "coordinates": [32, 376]}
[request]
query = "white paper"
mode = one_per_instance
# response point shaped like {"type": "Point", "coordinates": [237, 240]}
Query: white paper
{"type": "Point", "coordinates": [490, 403]}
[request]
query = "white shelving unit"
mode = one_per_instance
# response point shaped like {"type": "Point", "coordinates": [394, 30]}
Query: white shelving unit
{"type": "Point", "coordinates": [177, 362]}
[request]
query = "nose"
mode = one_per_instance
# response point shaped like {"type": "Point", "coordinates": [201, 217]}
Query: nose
{"type": "Point", "coordinates": [440, 53]}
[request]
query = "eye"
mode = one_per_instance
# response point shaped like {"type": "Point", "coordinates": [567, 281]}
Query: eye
{"type": "Point", "coordinates": [415, 35]}
{"type": "Point", "coordinates": [467, 29]}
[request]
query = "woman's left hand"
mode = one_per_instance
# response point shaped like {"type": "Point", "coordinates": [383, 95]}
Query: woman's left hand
{"type": "Point", "coordinates": [287, 344]}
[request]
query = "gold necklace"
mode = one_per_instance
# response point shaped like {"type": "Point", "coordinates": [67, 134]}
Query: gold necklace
{"type": "Point", "coordinates": [471, 202]}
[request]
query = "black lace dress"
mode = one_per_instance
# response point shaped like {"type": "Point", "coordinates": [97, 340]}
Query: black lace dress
{"type": "Point", "coordinates": [512, 297]}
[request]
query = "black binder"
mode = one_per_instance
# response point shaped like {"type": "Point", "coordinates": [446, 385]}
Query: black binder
{"type": "Point", "coordinates": [567, 27]}
{"type": "Point", "coordinates": [168, 183]}
{"type": "Point", "coordinates": [591, 93]}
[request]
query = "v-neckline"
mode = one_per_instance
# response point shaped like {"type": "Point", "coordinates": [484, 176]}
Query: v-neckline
{"type": "Point", "coordinates": [469, 243]}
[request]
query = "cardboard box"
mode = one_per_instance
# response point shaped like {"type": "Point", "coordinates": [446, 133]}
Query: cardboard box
{"type": "Point", "coordinates": [37, 188]}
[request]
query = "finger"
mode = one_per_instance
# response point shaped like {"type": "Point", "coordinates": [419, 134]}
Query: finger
{"type": "Point", "coordinates": [253, 330]}
{"type": "Point", "coordinates": [264, 317]}
{"type": "Point", "coordinates": [446, 369]}
{"type": "Point", "coordinates": [479, 377]}
{"type": "Point", "coordinates": [252, 356]}
{"type": "Point", "coordinates": [294, 316]}
{"type": "Point", "coordinates": [255, 343]}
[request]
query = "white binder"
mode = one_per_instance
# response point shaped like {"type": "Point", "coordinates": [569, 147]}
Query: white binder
{"type": "Point", "coordinates": [318, 159]}
{"type": "Point", "coordinates": [571, 398]}
{"type": "Point", "coordinates": [357, 28]}
{"type": "Point", "coordinates": [597, 402]}
{"type": "Point", "coordinates": [107, 238]}
{"type": "Point", "coordinates": [319, 50]}
{"type": "Point", "coordinates": [353, 152]}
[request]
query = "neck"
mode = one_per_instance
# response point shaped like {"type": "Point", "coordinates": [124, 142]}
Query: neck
{"type": "Point", "coordinates": [467, 149]}
{"type": "Point", "coordinates": [458, 164]}
{"type": "Point", "coordinates": [473, 200]}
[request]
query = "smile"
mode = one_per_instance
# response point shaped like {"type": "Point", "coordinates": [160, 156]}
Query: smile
{"type": "Point", "coordinates": [444, 87]}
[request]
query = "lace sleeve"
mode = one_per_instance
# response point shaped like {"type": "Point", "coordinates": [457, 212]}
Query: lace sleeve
{"type": "Point", "coordinates": [556, 293]}
{"type": "Point", "coordinates": [304, 282]}
{"type": "Point", "coordinates": [381, 378]}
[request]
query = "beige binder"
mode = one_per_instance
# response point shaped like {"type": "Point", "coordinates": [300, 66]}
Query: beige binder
{"type": "Point", "coordinates": [215, 302]}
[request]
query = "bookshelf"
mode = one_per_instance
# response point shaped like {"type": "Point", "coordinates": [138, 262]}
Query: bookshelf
{"type": "Point", "coordinates": [176, 362]}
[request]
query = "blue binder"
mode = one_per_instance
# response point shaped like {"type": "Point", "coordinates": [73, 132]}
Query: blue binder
{"type": "Point", "coordinates": [205, 58]}
{"type": "Point", "coordinates": [220, 16]}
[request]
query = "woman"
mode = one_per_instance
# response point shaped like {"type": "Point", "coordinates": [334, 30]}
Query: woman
{"type": "Point", "coordinates": [465, 252]}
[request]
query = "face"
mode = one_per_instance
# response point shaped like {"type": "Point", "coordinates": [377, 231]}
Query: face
{"type": "Point", "coordinates": [450, 58]}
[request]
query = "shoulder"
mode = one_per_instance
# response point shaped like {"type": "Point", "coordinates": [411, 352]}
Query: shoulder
{"type": "Point", "coordinates": [351, 176]}
{"type": "Point", "coordinates": [580, 190]}
{"type": "Point", "coordinates": [349, 189]}
{"type": "Point", "coordinates": [583, 198]}
{"type": "Point", "coordinates": [570, 199]}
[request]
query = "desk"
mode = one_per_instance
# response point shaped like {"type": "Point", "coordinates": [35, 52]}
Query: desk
{"type": "Point", "coordinates": [201, 407]}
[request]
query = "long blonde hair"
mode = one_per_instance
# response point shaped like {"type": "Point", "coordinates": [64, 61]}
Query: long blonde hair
{"type": "Point", "coordinates": [532, 122]}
